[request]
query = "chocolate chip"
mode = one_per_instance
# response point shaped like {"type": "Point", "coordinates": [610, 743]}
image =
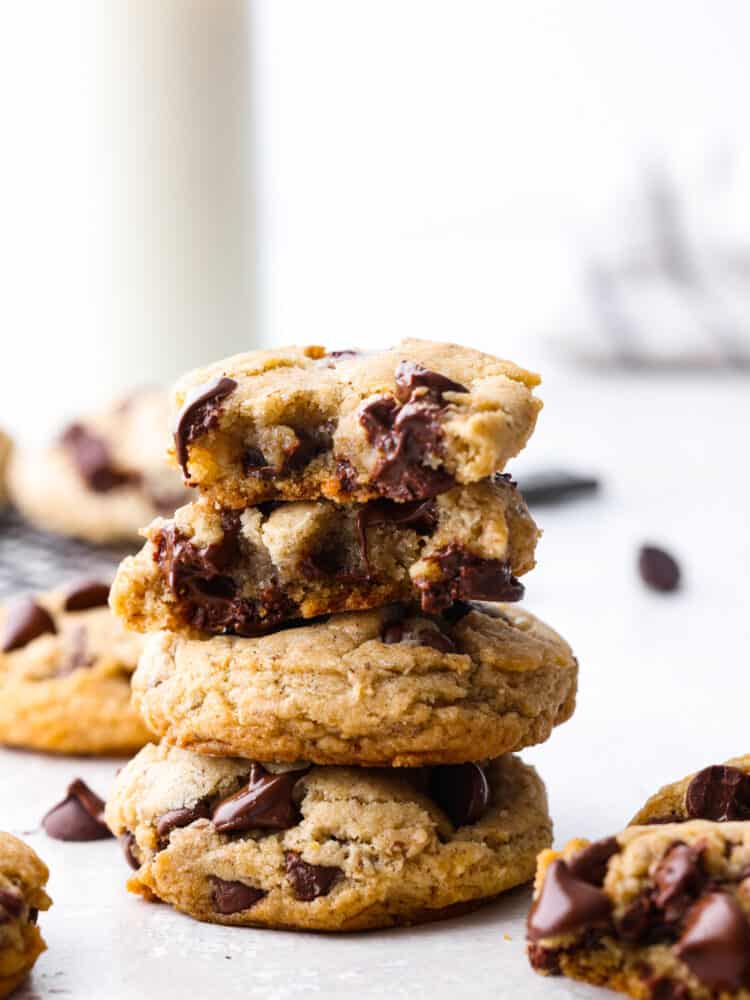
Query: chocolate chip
{"type": "Point", "coordinates": [658, 569]}
{"type": "Point", "coordinates": [265, 803]}
{"type": "Point", "coordinates": [590, 863]}
{"type": "Point", "coordinates": [254, 464]}
{"type": "Point", "coordinates": [233, 897]}
{"type": "Point", "coordinates": [462, 792]}
{"type": "Point", "coordinates": [418, 635]}
{"type": "Point", "coordinates": [26, 620]}
{"type": "Point", "coordinates": [410, 376]}
{"type": "Point", "coordinates": [465, 576]}
{"type": "Point", "coordinates": [555, 487]}
{"type": "Point", "coordinates": [33, 914]}
{"type": "Point", "coordinates": [668, 989]}
{"type": "Point", "coordinates": [310, 881]}
{"type": "Point", "coordinates": [92, 458]}
{"type": "Point", "coordinates": [566, 904]}
{"type": "Point", "coordinates": [643, 922]}
{"type": "Point", "coordinates": [87, 594]}
{"type": "Point", "coordinates": [11, 905]}
{"type": "Point", "coordinates": [545, 960]}
{"type": "Point", "coordinates": [80, 816]}
{"type": "Point", "coordinates": [678, 880]}
{"type": "Point", "coordinates": [310, 443]}
{"type": "Point", "coordinates": [419, 515]}
{"type": "Point", "coordinates": [719, 793]}
{"type": "Point", "coordinates": [459, 610]}
{"type": "Point", "coordinates": [178, 818]}
{"type": "Point", "coordinates": [199, 413]}
{"type": "Point", "coordinates": [128, 844]}
{"type": "Point", "coordinates": [715, 944]}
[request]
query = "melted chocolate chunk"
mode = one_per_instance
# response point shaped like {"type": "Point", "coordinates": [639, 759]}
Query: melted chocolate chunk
{"type": "Point", "coordinates": [421, 635]}
{"type": "Point", "coordinates": [419, 515]}
{"type": "Point", "coordinates": [715, 944]}
{"type": "Point", "coordinates": [176, 819]}
{"type": "Point", "coordinates": [199, 413]}
{"type": "Point", "coordinates": [678, 880]}
{"type": "Point", "coordinates": [590, 863]}
{"type": "Point", "coordinates": [310, 881]}
{"type": "Point", "coordinates": [26, 621]}
{"type": "Point", "coordinates": [233, 897]}
{"type": "Point", "coordinates": [80, 815]}
{"type": "Point", "coordinates": [658, 569]}
{"type": "Point", "coordinates": [87, 594]}
{"type": "Point", "coordinates": [254, 464]}
{"type": "Point", "coordinates": [11, 905]}
{"type": "Point", "coordinates": [310, 444]}
{"type": "Point", "coordinates": [719, 793]}
{"type": "Point", "coordinates": [410, 376]}
{"type": "Point", "coordinates": [128, 844]}
{"type": "Point", "coordinates": [346, 475]}
{"type": "Point", "coordinates": [566, 904]}
{"type": "Point", "coordinates": [266, 802]}
{"type": "Point", "coordinates": [459, 610]}
{"type": "Point", "coordinates": [93, 460]}
{"type": "Point", "coordinates": [465, 577]}
{"type": "Point", "coordinates": [643, 923]}
{"type": "Point", "coordinates": [462, 792]}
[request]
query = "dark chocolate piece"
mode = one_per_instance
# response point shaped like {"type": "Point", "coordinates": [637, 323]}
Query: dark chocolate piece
{"type": "Point", "coordinates": [11, 905]}
{"type": "Point", "coordinates": [92, 458]}
{"type": "Point", "coordinates": [465, 576]}
{"type": "Point", "coordinates": [715, 944]}
{"type": "Point", "coordinates": [555, 486]}
{"type": "Point", "coordinates": [462, 792]}
{"type": "Point", "coordinates": [658, 569]}
{"type": "Point", "coordinates": [128, 844]}
{"type": "Point", "coordinates": [26, 620]}
{"type": "Point", "coordinates": [233, 897]}
{"type": "Point", "coordinates": [266, 802]}
{"type": "Point", "coordinates": [590, 863]}
{"type": "Point", "coordinates": [719, 793]}
{"type": "Point", "coordinates": [176, 819]}
{"type": "Point", "coordinates": [310, 881]}
{"type": "Point", "coordinates": [80, 815]}
{"type": "Point", "coordinates": [87, 594]}
{"type": "Point", "coordinates": [199, 413]}
{"type": "Point", "coordinates": [566, 904]}
{"type": "Point", "coordinates": [410, 376]}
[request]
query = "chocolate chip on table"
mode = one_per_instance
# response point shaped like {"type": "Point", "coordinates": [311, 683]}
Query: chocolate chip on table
{"type": "Point", "coordinates": [715, 942]}
{"type": "Point", "coordinates": [199, 413]}
{"type": "Point", "coordinates": [658, 569]}
{"type": "Point", "coordinates": [556, 486]}
{"type": "Point", "coordinates": [310, 881]}
{"type": "Point", "coordinates": [462, 792]}
{"type": "Point", "coordinates": [590, 863]}
{"type": "Point", "coordinates": [86, 594]}
{"type": "Point", "coordinates": [26, 621]}
{"type": "Point", "coordinates": [93, 460]}
{"type": "Point", "coordinates": [232, 897]}
{"type": "Point", "coordinates": [80, 815]}
{"type": "Point", "coordinates": [11, 905]}
{"type": "Point", "coordinates": [265, 802]}
{"type": "Point", "coordinates": [719, 793]}
{"type": "Point", "coordinates": [176, 819]}
{"type": "Point", "coordinates": [566, 904]}
{"type": "Point", "coordinates": [465, 577]}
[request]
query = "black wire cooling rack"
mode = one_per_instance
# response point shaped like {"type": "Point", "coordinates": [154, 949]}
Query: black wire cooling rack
{"type": "Point", "coordinates": [34, 560]}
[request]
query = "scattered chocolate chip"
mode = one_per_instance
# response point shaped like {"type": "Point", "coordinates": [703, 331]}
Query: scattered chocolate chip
{"type": "Point", "coordinates": [419, 515]}
{"type": "Point", "coordinates": [80, 815]}
{"type": "Point", "coordinates": [410, 376]}
{"type": "Point", "coordinates": [715, 944]}
{"type": "Point", "coordinates": [310, 881]}
{"type": "Point", "coordinates": [86, 594]}
{"type": "Point", "coordinates": [11, 905]}
{"type": "Point", "coordinates": [590, 863]}
{"type": "Point", "coordinates": [128, 844]}
{"type": "Point", "coordinates": [555, 487]}
{"type": "Point", "coordinates": [462, 792]}
{"type": "Point", "coordinates": [719, 793]}
{"type": "Point", "coordinates": [232, 897]}
{"type": "Point", "coordinates": [465, 576]}
{"type": "Point", "coordinates": [678, 880]}
{"type": "Point", "coordinates": [266, 802]}
{"type": "Point", "coordinates": [566, 904]}
{"type": "Point", "coordinates": [668, 989]}
{"type": "Point", "coordinates": [658, 569]}
{"type": "Point", "coordinates": [199, 413]}
{"type": "Point", "coordinates": [93, 460]}
{"type": "Point", "coordinates": [26, 620]}
{"type": "Point", "coordinates": [176, 819]}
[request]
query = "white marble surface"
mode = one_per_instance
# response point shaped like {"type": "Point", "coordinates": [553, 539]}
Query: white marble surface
{"type": "Point", "coordinates": [663, 690]}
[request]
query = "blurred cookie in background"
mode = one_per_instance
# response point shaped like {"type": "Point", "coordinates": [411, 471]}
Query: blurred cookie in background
{"type": "Point", "coordinates": [104, 477]}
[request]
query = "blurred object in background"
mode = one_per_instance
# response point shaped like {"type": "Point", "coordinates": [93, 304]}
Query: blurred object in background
{"type": "Point", "coordinates": [669, 284]}
{"type": "Point", "coordinates": [128, 233]}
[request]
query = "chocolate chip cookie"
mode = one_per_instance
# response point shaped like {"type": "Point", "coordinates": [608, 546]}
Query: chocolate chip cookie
{"type": "Point", "coordinates": [719, 792]}
{"type": "Point", "coordinates": [65, 668]}
{"type": "Point", "coordinates": [299, 423]}
{"type": "Point", "coordinates": [23, 877]}
{"type": "Point", "coordinates": [105, 477]}
{"type": "Point", "coordinates": [237, 842]}
{"type": "Point", "coordinates": [390, 687]}
{"type": "Point", "coordinates": [658, 912]}
{"type": "Point", "coordinates": [226, 571]}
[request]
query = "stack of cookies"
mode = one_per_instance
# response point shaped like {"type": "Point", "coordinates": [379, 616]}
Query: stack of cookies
{"type": "Point", "coordinates": [337, 707]}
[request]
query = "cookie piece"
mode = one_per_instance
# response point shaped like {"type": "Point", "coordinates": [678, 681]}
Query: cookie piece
{"type": "Point", "coordinates": [719, 792]}
{"type": "Point", "coordinates": [389, 687]}
{"type": "Point", "coordinates": [23, 877]}
{"type": "Point", "coordinates": [65, 668]}
{"type": "Point", "coordinates": [234, 842]}
{"type": "Point", "coordinates": [223, 571]}
{"type": "Point", "coordinates": [298, 424]}
{"type": "Point", "coordinates": [106, 475]}
{"type": "Point", "coordinates": [659, 913]}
